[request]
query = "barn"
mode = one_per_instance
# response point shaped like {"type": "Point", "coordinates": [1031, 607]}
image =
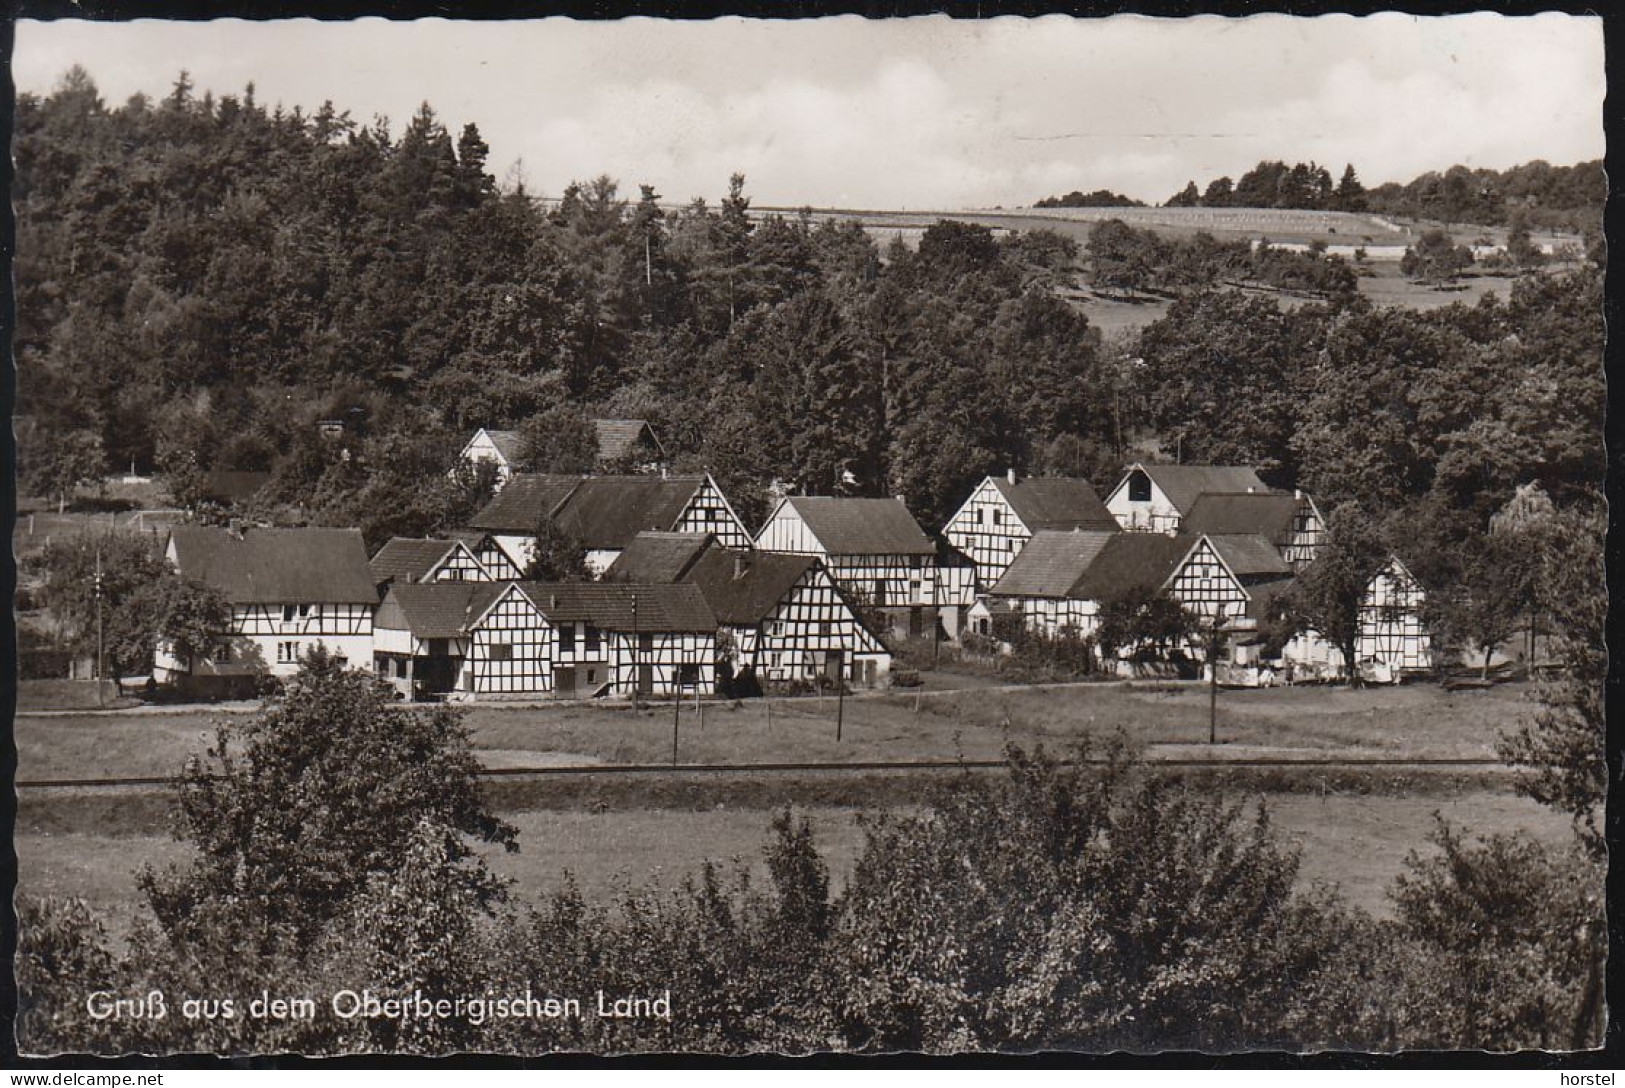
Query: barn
{"type": "Point", "coordinates": [290, 590]}
{"type": "Point", "coordinates": [784, 617]}
{"type": "Point", "coordinates": [1060, 579]}
{"type": "Point", "coordinates": [1003, 513]}
{"type": "Point", "coordinates": [604, 513]}
{"type": "Point", "coordinates": [1156, 498]}
{"type": "Point", "coordinates": [873, 548]}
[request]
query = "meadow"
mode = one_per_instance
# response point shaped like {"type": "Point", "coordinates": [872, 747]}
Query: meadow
{"type": "Point", "coordinates": [1412, 720]}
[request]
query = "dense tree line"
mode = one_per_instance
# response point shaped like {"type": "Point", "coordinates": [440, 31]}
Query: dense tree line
{"type": "Point", "coordinates": [1126, 258]}
{"type": "Point", "coordinates": [1090, 908]}
{"type": "Point", "coordinates": [203, 279]}
{"type": "Point", "coordinates": [1553, 197]}
{"type": "Point", "coordinates": [1100, 198]}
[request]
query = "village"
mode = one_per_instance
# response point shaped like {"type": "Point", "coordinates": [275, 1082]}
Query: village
{"type": "Point", "coordinates": [685, 599]}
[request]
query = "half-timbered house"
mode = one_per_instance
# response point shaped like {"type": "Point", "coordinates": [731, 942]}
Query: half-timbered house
{"type": "Point", "coordinates": [1003, 513]}
{"type": "Point", "coordinates": [604, 513]}
{"type": "Point", "coordinates": [462, 639]}
{"type": "Point", "coordinates": [785, 618]}
{"type": "Point", "coordinates": [612, 637]}
{"type": "Point", "coordinates": [1059, 580]}
{"type": "Point", "coordinates": [290, 590]}
{"type": "Point", "coordinates": [500, 448]}
{"type": "Point", "coordinates": [1156, 498]}
{"type": "Point", "coordinates": [1393, 640]}
{"type": "Point", "coordinates": [404, 560]}
{"type": "Point", "coordinates": [1289, 520]}
{"type": "Point", "coordinates": [873, 548]}
{"type": "Point", "coordinates": [489, 553]}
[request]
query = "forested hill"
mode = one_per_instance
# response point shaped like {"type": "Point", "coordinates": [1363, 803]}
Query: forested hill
{"type": "Point", "coordinates": [200, 279]}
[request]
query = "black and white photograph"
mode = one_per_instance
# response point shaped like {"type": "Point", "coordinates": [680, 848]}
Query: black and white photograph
{"type": "Point", "coordinates": [819, 536]}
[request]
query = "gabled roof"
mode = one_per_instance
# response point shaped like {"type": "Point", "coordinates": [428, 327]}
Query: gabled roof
{"type": "Point", "coordinates": [1055, 502]}
{"type": "Point", "coordinates": [609, 605]}
{"type": "Point", "coordinates": [1268, 514]}
{"type": "Point", "coordinates": [1092, 565]}
{"type": "Point", "coordinates": [658, 557]}
{"type": "Point", "coordinates": [862, 526]}
{"type": "Point", "coordinates": [508, 444]}
{"type": "Point", "coordinates": [524, 501]}
{"type": "Point", "coordinates": [437, 609]}
{"type": "Point", "coordinates": [1249, 555]}
{"type": "Point", "coordinates": [607, 512]}
{"type": "Point", "coordinates": [278, 566]}
{"type": "Point", "coordinates": [1183, 483]}
{"type": "Point", "coordinates": [408, 559]}
{"type": "Point", "coordinates": [617, 437]}
{"type": "Point", "coordinates": [741, 586]}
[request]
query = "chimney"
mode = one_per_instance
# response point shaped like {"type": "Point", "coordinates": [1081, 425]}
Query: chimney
{"type": "Point", "coordinates": [739, 565]}
{"type": "Point", "coordinates": [1010, 474]}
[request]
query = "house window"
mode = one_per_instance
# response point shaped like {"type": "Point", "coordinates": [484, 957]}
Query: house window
{"type": "Point", "coordinates": [222, 653]}
{"type": "Point", "coordinates": [688, 676]}
{"type": "Point", "coordinates": [400, 667]}
{"type": "Point", "coordinates": [590, 636]}
{"type": "Point", "coordinates": [592, 676]}
{"type": "Point", "coordinates": [1139, 487]}
{"type": "Point", "coordinates": [981, 515]}
{"type": "Point", "coordinates": [998, 516]}
{"type": "Point", "coordinates": [287, 653]}
{"type": "Point", "coordinates": [501, 651]}
{"type": "Point", "coordinates": [567, 638]}
{"type": "Point", "coordinates": [1010, 547]}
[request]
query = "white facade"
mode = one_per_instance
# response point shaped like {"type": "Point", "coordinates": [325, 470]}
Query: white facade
{"type": "Point", "coordinates": [1140, 505]}
{"type": "Point", "coordinates": [482, 448]}
{"type": "Point", "coordinates": [988, 531]}
{"type": "Point", "coordinates": [275, 638]}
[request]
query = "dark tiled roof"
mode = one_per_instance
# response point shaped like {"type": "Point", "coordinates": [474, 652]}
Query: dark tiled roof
{"type": "Point", "coordinates": [278, 566]}
{"type": "Point", "coordinates": [1261, 596]}
{"type": "Point", "coordinates": [1183, 483]}
{"type": "Point", "coordinates": [407, 559]}
{"type": "Point", "coordinates": [1091, 565]}
{"type": "Point", "coordinates": [508, 444]}
{"type": "Point", "coordinates": [618, 437]}
{"type": "Point", "coordinates": [608, 605]}
{"type": "Point", "coordinates": [742, 587]}
{"type": "Point", "coordinates": [862, 526]}
{"type": "Point", "coordinates": [1056, 503]}
{"type": "Point", "coordinates": [524, 501]}
{"type": "Point", "coordinates": [658, 557]}
{"type": "Point", "coordinates": [608, 511]}
{"type": "Point", "coordinates": [1250, 556]}
{"type": "Point", "coordinates": [437, 609]}
{"type": "Point", "coordinates": [1268, 514]}
{"type": "Point", "coordinates": [226, 486]}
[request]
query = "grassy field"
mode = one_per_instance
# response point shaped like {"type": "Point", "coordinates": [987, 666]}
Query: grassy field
{"type": "Point", "coordinates": [1416, 720]}
{"type": "Point", "coordinates": [1355, 841]}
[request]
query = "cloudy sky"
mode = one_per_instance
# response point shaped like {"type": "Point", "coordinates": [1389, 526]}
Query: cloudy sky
{"type": "Point", "coordinates": [915, 113]}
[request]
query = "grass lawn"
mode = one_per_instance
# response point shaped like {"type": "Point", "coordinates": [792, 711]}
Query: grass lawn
{"type": "Point", "coordinates": [1419, 720]}
{"type": "Point", "coordinates": [1356, 841]}
{"type": "Point", "coordinates": [70, 695]}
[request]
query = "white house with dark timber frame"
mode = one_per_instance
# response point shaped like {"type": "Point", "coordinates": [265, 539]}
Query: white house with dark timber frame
{"type": "Point", "coordinates": [873, 548]}
{"type": "Point", "coordinates": [614, 636]}
{"type": "Point", "coordinates": [786, 619]}
{"type": "Point", "coordinates": [1156, 498]}
{"type": "Point", "coordinates": [604, 513]}
{"type": "Point", "coordinates": [1288, 519]}
{"type": "Point", "coordinates": [462, 639]}
{"type": "Point", "coordinates": [1003, 513]}
{"type": "Point", "coordinates": [290, 590]}
{"type": "Point", "coordinates": [405, 560]}
{"type": "Point", "coordinates": [1393, 640]}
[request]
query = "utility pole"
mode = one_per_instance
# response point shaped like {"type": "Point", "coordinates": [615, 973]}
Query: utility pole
{"type": "Point", "coordinates": [1213, 677]}
{"type": "Point", "coordinates": [101, 691]}
{"type": "Point", "coordinates": [840, 696]}
{"type": "Point", "coordinates": [676, 711]}
{"type": "Point", "coordinates": [635, 675]}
